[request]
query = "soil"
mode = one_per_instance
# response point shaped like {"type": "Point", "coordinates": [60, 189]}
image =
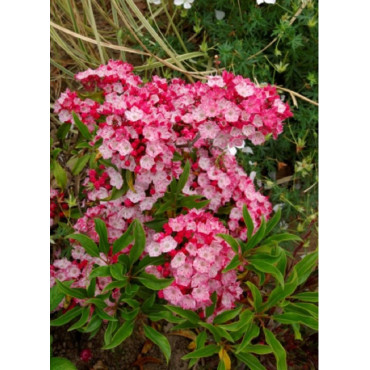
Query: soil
{"type": "Point", "coordinates": [134, 353]}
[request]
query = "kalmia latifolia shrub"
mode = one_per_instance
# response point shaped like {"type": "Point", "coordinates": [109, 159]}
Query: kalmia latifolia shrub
{"type": "Point", "coordinates": [170, 220]}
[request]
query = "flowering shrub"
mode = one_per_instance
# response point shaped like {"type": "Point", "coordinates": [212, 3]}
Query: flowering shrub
{"type": "Point", "coordinates": [168, 209]}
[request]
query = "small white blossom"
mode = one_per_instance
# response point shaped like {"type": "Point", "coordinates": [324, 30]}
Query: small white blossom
{"type": "Point", "coordinates": [259, 2]}
{"type": "Point", "coordinates": [219, 14]}
{"type": "Point", "coordinates": [185, 3]}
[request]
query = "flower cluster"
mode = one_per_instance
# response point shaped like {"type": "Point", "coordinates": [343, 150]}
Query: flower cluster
{"type": "Point", "coordinates": [146, 131]}
{"type": "Point", "coordinates": [197, 257]}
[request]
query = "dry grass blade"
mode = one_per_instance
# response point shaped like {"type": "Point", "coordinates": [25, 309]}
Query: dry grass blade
{"type": "Point", "coordinates": [92, 41]}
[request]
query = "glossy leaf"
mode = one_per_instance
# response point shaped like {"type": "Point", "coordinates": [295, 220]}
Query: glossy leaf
{"type": "Point", "coordinates": [227, 315]}
{"type": "Point", "coordinates": [112, 326]}
{"type": "Point", "coordinates": [231, 241]}
{"type": "Point", "coordinates": [122, 334]}
{"type": "Point", "coordinates": [257, 298]}
{"type": "Point", "coordinates": [88, 244]}
{"type": "Point", "coordinates": [186, 314]}
{"type": "Point", "coordinates": [252, 332]}
{"type": "Point", "coordinates": [295, 318]}
{"type": "Point", "coordinates": [125, 240]}
{"type": "Point", "coordinates": [139, 246]}
{"type": "Point", "coordinates": [60, 175]}
{"type": "Point", "coordinates": [83, 319]}
{"type": "Point", "coordinates": [277, 349]}
{"type": "Point", "coordinates": [307, 296]}
{"type": "Point", "coordinates": [305, 267]}
{"type": "Point", "coordinates": [60, 363]}
{"type": "Point", "coordinates": [73, 292]}
{"type": "Point", "coordinates": [80, 164]}
{"type": "Point", "coordinates": [160, 340]}
{"type": "Point", "coordinates": [152, 282]}
{"type": "Point", "coordinates": [81, 127]}
{"type": "Point", "coordinates": [233, 264]}
{"type": "Point", "coordinates": [66, 317]}
{"type": "Point", "coordinates": [248, 222]}
{"type": "Point", "coordinates": [279, 238]}
{"type": "Point", "coordinates": [251, 361]}
{"type": "Point", "coordinates": [273, 221]}
{"type": "Point", "coordinates": [183, 178]}
{"type": "Point", "coordinates": [206, 351]}
{"type": "Point", "coordinates": [101, 229]}
{"type": "Point", "coordinates": [269, 268]}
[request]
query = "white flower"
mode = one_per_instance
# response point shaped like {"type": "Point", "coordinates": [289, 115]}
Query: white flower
{"type": "Point", "coordinates": [155, 2]}
{"type": "Point", "coordinates": [185, 3]}
{"type": "Point", "coordinates": [266, 1]}
{"type": "Point", "coordinates": [219, 14]}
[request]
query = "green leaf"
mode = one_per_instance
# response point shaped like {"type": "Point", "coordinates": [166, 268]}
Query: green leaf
{"type": "Point", "coordinates": [60, 363]}
{"type": "Point", "coordinates": [80, 164]}
{"type": "Point", "coordinates": [99, 271]}
{"type": "Point", "coordinates": [101, 229]}
{"type": "Point", "coordinates": [56, 295]}
{"type": "Point", "coordinates": [125, 240]}
{"type": "Point", "coordinates": [231, 241]}
{"type": "Point", "coordinates": [83, 319]}
{"type": "Point", "coordinates": [129, 315]}
{"type": "Point", "coordinates": [147, 260]}
{"type": "Point", "coordinates": [91, 288]}
{"type": "Point", "coordinates": [218, 332]}
{"type": "Point", "coordinates": [279, 238]}
{"type": "Point", "coordinates": [116, 270]}
{"type": "Point", "coordinates": [297, 332]}
{"type": "Point", "coordinates": [88, 244]}
{"type": "Point", "coordinates": [122, 334]}
{"type": "Point", "coordinates": [66, 317]}
{"type": "Point", "coordinates": [305, 267]}
{"type": "Point", "coordinates": [307, 296]}
{"type": "Point", "coordinates": [139, 246]}
{"type": "Point", "coordinates": [60, 175]}
{"type": "Point", "coordinates": [252, 332]}
{"type": "Point", "coordinates": [257, 298]}
{"type": "Point", "coordinates": [93, 325]}
{"type": "Point", "coordinates": [193, 201]}
{"type": "Point", "coordinates": [165, 315]}
{"type": "Point", "coordinates": [248, 222]}
{"type": "Point", "coordinates": [280, 293]}
{"type": "Point", "coordinates": [63, 131]}
{"type": "Point", "coordinates": [206, 351]}
{"type": "Point", "coordinates": [186, 314]}
{"type": "Point", "coordinates": [269, 268]}
{"type": "Point", "coordinates": [305, 308]}
{"type": "Point", "coordinates": [251, 361]}
{"type": "Point", "coordinates": [257, 237]}
{"type": "Point", "coordinates": [81, 127]}
{"type": "Point", "coordinates": [258, 349]}
{"type": "Point", "coordinates": [295, 318]}
{"type": "Point", "coordinates": [245, 318]}
{"type": "Point", "coordinates": [211, 309]}
{"type": "Point", "coordinates": [157, 224]}
{"type": "Point", "coordinates": [273, 221]}
{"type": "Point", "coordinates": [116, 284]}
{"type": "Point", "coordinates": [160, 340]}
{"type": "Point", "coordinates": [227, 315]}
{"type": "Point", "coordinates": [103, 315]}
{"type": "Point", "coordinates": [152, 282]}
{"type": "Point", "coordinates": [73, 292]}
{"type": "Point", "coordinates": [183, 178]}
{"type": "Point", "coordinates": [233, 264]}
{"type": "Point", "coordinates": [277, 349]}
{"type": "Point", "coordinates": [112, 326]}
